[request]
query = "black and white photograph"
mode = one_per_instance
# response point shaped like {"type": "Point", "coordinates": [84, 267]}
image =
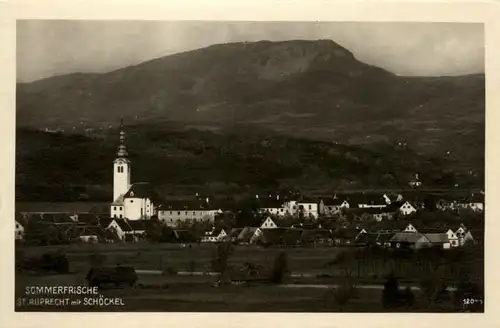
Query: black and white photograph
{"type": "Point", "coordinates": [249, 166]}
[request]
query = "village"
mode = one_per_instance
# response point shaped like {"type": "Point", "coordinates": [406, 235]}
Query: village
{"type": "Point", "coordinates": [353, 219]}
{"type": "Point", "coordinates": [410, 219]}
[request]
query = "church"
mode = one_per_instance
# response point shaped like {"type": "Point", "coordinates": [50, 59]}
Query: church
{"type": "Point", "coordinates": [132, 201]}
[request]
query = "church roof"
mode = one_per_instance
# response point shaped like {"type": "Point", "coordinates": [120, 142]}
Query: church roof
{"type": "Point", "coordinates": [119, 200]}
{"type": "Point", "coordinates": [142, 190]}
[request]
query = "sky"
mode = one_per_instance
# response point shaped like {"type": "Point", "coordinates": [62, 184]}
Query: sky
{"type": "Point", "coordinates": [47, 48]}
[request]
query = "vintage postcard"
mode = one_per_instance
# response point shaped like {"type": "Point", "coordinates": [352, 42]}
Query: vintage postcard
{"type": "Point", "coordinates": [249, 165]}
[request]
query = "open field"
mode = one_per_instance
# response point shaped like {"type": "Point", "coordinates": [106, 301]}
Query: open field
{"type": "Point", "coordinates": [160, 288]}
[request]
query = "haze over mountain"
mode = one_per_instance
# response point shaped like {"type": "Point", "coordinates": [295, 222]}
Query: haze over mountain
{"type": "Point", "coordinates": [315, 89]}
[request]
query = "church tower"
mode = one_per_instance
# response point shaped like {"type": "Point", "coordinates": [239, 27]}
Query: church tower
{"type": "Point", "coordinates": [121, 168]}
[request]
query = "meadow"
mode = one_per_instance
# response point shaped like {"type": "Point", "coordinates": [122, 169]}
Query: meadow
{"type": "Point", "coordinates": [167, 284]}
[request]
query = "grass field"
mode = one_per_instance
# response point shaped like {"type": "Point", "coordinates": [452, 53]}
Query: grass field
{"type": "Point", "coordinates": [171, 292]}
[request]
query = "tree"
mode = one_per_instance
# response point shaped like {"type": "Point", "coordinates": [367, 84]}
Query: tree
{"type": "Point", "coordinates": [390, 293]}
{"type": "Point", "coordinates": [221, 259]}
{"type": "Point", "coordinates": [280, 268]}
{"type": "Point", "coordinates": [344, 293]}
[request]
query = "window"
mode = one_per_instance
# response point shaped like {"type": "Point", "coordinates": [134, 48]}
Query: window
{"type": "Point", "coordinates": [121, 216]}
{"type": "Point", "coordinates": [310, 206]}
{"type": "Point", "coordinates": [17, 226]}
{"type": "Point", "coordinates": [121, 208]}
{"type": "Point", "coordinates": [141, 212]}
{"type": "Point", "coordinates": [178, 213]}
{"type": "Point", "coordinates": [114, 208]}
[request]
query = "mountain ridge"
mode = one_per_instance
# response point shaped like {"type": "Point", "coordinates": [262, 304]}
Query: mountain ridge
{"type": "Point", "coordinates": [312, 89]}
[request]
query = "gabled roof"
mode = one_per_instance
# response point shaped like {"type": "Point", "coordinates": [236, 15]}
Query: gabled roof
{"type": "Point", "coordinates": [88, 218]}
{"type": "Point", "coordinates": [367, 238]}
{"type": "Point", "coordinates": [185, 205]}
{"type": "Point", "coordinates": [235, 232]}
{"type": "Point", "coordinates": [384, 237]}
{"type": "Point", "coordinates": [91, 231]}
{"type": "Point", "coordinates": [246, 234]}
{"type": "Point", "coordinates": [137, 225]}
{"type": "Point", "coordinates": [142, 190]}
{"type": "Point", "coordinates": [123, 224]}
{"type": "Point", "coordinates": [307, 200]}
{"type": "Point", "coordinates": [437, 237]}
{"type": "Point", "coordinates": [432, 230]}
{"type": "Point", "coordinates": [408, 237]}
{"type": "Point", "coordinates": [104, 222]}
{"type": "Point", "coordinates": [118, 201]}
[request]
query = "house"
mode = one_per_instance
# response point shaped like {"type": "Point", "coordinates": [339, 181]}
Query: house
{"type": "Point", "coordinates": [409, 240]}
{"type": "Point", "coordinates": [383, 239]}
{"type": "Point", "coordinates": [19, 230]}
{"type": "Point", "coordinates": [453, 238]}
{"type": "Point", "coordinates": [268, 224]}
{"type": "Point", "coordinates": [307, 208]}
{"type": "Point", "coordinates": [476, 203]}
{"type": "Point", "coordinates": [367, 239]}
{"type": "Point", "coordinates": [249, 235]}
{"type": "Point", "coordinates": [407, 208]}
{"type": "Point", "coordinates": [91, 235]}
{"type": "Point", "coordinates": [129, 230]}
{"type": "Point", "coordinates": [410, 228]}
{"type": "Point", "coordinates": [174, 212]}
{"type": "Point", "coordinates": [233, 234]}
{"type": "Point", "coordinates": [466, 239]}
{"type": "Point", "coordinates": [214, 236]}
{"type": "Point", "coordinates": [377, 214]}
{"type": "Point", "coordinates": [439, 240]}
{"type": "Point", "coordinates": [274, 206]}
{"type": "Point", "coordinates": [331, 206]}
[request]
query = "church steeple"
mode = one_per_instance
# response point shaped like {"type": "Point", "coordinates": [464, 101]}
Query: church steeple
{"type": "Point", "coordinates": [122, 149]}
{"type": "Point", "coordinates": [121, 168]}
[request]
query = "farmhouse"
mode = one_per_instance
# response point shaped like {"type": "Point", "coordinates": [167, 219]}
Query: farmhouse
{"type": "Point", "coordinates": [268, 224]}
{"type": "Point", "coordinates": [407, 208]}
{"type": "Point", "coordinates": [213, 236]}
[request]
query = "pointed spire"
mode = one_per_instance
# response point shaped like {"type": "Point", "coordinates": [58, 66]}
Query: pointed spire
{"type": "Point", "coordinates": [122, 150]}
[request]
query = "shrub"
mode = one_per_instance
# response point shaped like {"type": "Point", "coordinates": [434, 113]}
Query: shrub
{"type": "Point", "coordinates": [280, 268]}
{"type": "Point", "coordinates": [169, 271]}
